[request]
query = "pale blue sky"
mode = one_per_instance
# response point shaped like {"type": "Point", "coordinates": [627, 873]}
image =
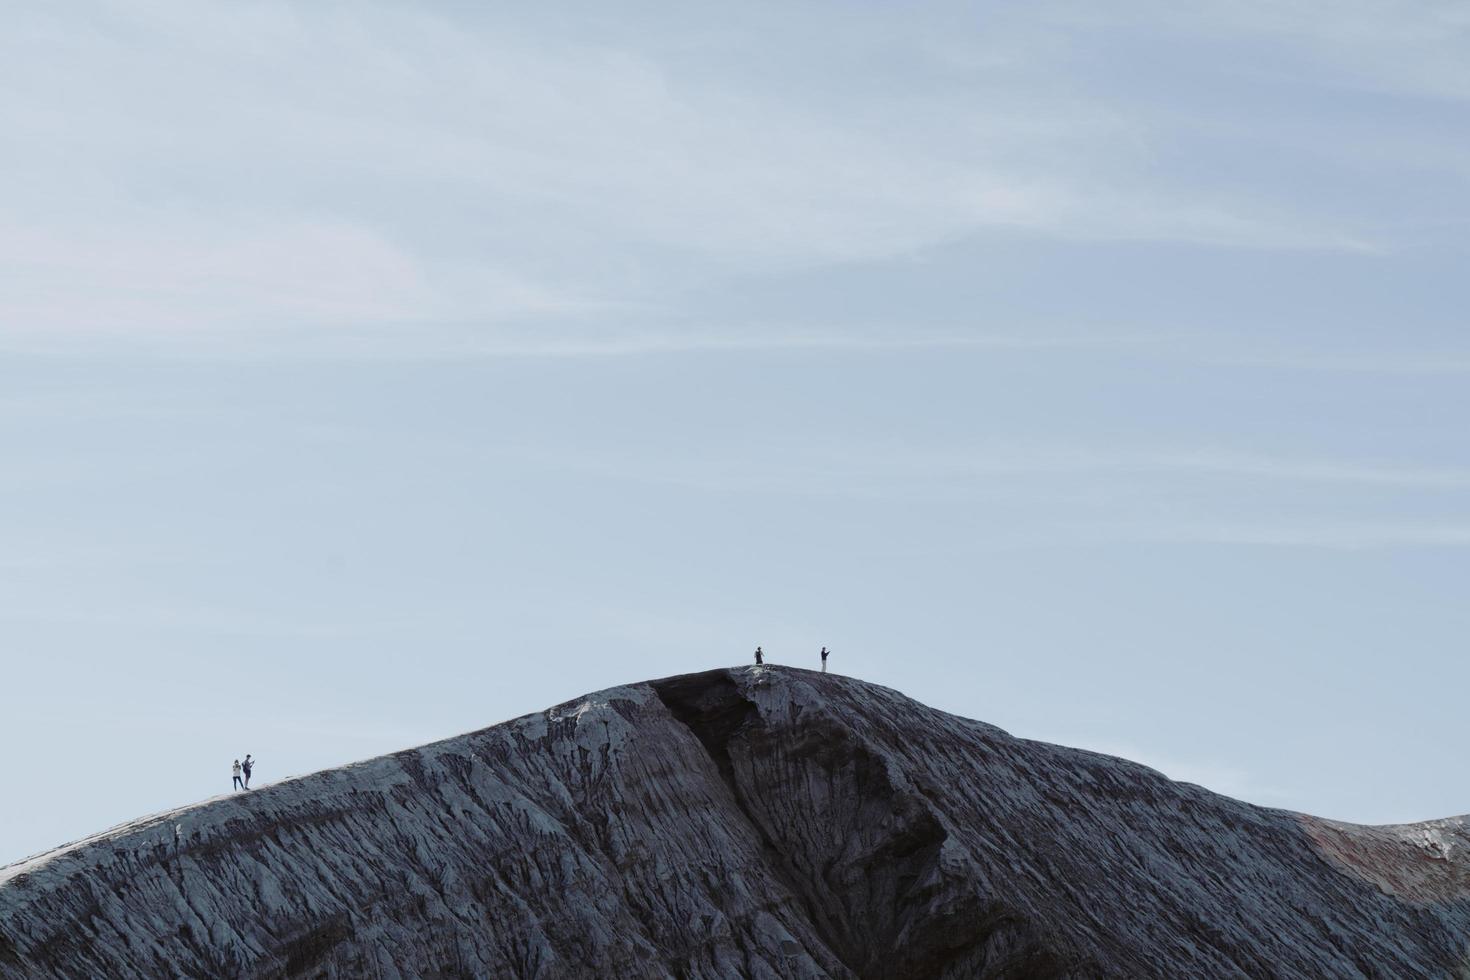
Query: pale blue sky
{"type": "Point", "coordinates": [374, 372]}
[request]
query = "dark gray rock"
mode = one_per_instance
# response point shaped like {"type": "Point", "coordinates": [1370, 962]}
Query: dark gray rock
{"type": "Point", "coordinates": [759, 822]}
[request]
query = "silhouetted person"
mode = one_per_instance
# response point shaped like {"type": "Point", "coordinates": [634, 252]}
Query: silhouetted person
{"type": "Point", "coordinates": [238, 784]}
{"type": "Point", "coordinates": [759, 659]}
{"type": "Point", "coordinates": [824, 662]}
{"type": "Point", "coordinates": [245, 767]}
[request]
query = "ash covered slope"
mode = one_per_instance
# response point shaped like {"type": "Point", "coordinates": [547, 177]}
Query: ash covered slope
{"type": "Point", "coordinates": [759, 822]}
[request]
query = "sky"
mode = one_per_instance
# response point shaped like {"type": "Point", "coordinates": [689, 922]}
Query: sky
{"type": "Point", "coordinates": [375, 372]}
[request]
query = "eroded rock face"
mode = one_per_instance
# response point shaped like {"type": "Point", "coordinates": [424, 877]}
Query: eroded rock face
{"type": "Point", "coordinates": [758, 822]}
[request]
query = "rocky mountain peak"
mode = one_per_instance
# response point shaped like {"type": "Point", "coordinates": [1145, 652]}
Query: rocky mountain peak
{"type": "Point", "coordinates": [751, 822]}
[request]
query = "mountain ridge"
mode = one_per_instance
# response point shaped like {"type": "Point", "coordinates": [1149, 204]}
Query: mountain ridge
{"type": "Point", "coordinates": [757, 821]}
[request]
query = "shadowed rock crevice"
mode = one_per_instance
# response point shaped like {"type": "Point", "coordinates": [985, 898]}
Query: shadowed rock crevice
{"type": "Point", "coordinates": [712, 707]}
{"type": "Point", "coordinates": [864, 853]}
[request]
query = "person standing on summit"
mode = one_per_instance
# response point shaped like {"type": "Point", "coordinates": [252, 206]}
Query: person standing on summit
{"type": "Point", "coordinates": [236, 769]}
{"type": "Point", "coordinates": [758, 658]}
{"type": "Point", "coordinates": [824, 659]}
{"type": "Point", "coordinates": [246, 767]}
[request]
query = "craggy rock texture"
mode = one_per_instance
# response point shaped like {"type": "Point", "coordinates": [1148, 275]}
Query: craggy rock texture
{"type": "Point", "coordinates": [759, 822]}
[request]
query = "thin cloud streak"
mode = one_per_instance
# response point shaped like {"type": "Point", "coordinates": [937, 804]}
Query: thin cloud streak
{"type": "Point", "coordinates": [1317, 471]}
{"type": "Point", "coordinates": [411, 340]}
{"type": "Point", "coordinates": [1388, 363]}
{"type": "Point", "coordinates": [1367, 536]}
{"type": "Point", "coordinates": [902, 471]}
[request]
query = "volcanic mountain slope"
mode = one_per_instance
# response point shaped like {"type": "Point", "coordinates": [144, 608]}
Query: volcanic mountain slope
{"type": "Point", "coordinates": [759, 822]}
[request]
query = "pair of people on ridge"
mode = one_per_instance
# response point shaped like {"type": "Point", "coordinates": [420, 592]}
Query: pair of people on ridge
{"type": "Point", "coordinates": [245, 768]}
{"type": "Point", "coordinates": [760, 657]}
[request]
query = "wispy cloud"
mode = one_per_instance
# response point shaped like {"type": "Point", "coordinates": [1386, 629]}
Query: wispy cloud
{"type": "Point", "coordinates": [1404, 46]}
{"type": "Point", "coordinates": [1408, 363]}
{"type": "Point", "coordinates": [1332, 536]}
{"type": "Point", "coordinates": [191, 618]}
{"type": "Point", "coordinates": [177, 167]}
{"type": "Point", "coordinates": [1305, 469]}
{"type": "Point", "coordinates": [876, 468]}
{"type": "Point", "coordinates": [1077, 497]}
{"type": "Point", "coordinates": [164, 273]}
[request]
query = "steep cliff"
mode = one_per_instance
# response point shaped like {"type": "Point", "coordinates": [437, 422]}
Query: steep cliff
{"type": "Point", "coordinates": [757, 822]}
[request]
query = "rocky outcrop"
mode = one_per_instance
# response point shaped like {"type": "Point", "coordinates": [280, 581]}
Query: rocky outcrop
{"type": "Point", "coordinates": [758, 822]}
